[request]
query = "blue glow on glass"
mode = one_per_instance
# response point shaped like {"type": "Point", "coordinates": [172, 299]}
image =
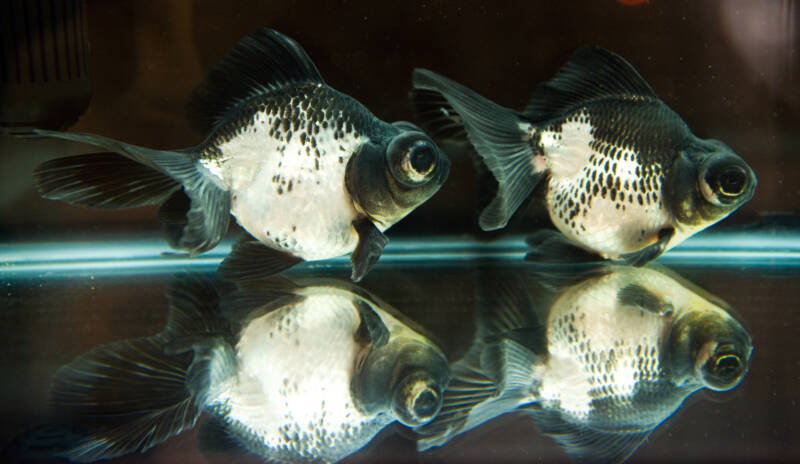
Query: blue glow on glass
{"type": "Point", "coordinates": [152, 255]}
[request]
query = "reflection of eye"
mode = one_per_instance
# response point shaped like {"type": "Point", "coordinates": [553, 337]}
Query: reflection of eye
{"type": "Point", "coordinates": [731, 181]}
{"type": "Point", "coordinates": [728, 366]}
{"type": "Point", "coordinates": [725, 368]}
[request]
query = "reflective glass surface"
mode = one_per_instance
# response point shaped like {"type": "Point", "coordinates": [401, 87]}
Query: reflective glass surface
{"type": "Point", "coordinates": [460, 344]}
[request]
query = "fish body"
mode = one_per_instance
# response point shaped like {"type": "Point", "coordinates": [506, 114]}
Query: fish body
{"type": "Point", "coordinates": [308, 172]}
{"type": "Point", "coordinates": [292, 374]}
{"type": "Point", "coordinates": [289, 152]}
{"type": "Point", "coordinates": [624, 177]}
{"type": "Point", "coordinates": [597, 363]}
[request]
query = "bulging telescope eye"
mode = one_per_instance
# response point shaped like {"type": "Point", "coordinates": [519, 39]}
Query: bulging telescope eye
{"type": "Point", "coordinates": [417, 400]}
{"type": "Point", "coordinates": [412, 158]}
{"type": "Point", "coordinates": [725, 368]}
{"type": "Point", "coordinates": [422, 158]}
{"type": "Point", "coordinates": [731, 181]}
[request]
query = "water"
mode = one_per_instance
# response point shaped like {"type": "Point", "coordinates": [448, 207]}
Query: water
{"type": "Point", "coordinates": [59, 308]}
{"type": "Point", "coordinates": [74, 279]}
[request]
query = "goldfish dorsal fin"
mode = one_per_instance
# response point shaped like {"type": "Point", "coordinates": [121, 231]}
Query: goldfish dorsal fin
{"type": "Point", "coordinates": [591, 73]}
{"type": "Point", "coordinates": [259, 63]}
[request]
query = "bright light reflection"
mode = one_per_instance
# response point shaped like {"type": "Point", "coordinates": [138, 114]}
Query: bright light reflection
{"type": "Point", "coordinates": [144, 256]}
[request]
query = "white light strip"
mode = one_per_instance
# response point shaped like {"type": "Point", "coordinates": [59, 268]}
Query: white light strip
{"type": "Point", "coordinates": [147, 255]}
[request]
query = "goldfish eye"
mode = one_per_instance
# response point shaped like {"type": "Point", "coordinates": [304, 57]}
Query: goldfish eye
{"type": "Point", "coordinates": [731, 181]}
{"type": "Point", "coordinates": [412, 159]}
{"type": "Point", "coordinates": [725, 368]}
{"type": "Point", "coordinates": [417, 399]}
{"type": "Point", "coordinates": [421, 158]}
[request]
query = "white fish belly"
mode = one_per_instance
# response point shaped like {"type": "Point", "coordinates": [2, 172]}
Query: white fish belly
{"type": "Point", "coordinates": [610, 228]}
{"type": "Point", "coordinates": [598, 197]}
{"type": "Point", "coordinates": [290, 194]}
{"type": "Point", "coordinates": [606, 349]}
{"type": "Point", "coordinates": [292, 389]}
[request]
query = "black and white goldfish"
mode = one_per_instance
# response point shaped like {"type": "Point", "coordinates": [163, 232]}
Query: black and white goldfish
{"type": "Point", "coordinates": [307, 171]}
{"type": "Point", "coordinates": [597, 359]}
{"type": "Point", "coordinates": [290, 373]}
{"type": "Point", "coordinates": [623, 175]}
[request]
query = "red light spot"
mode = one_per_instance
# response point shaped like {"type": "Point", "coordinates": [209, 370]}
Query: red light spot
{"type": "Point", "coordinates": [632, 2]}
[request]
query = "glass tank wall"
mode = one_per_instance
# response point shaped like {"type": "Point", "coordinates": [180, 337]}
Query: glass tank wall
{"type": "Point", "coordinates": [523, 355]}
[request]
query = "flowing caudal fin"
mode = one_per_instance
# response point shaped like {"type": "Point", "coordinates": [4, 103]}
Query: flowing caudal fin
{"type": "Point", "coordinates": [127, 397]}
{"type": "Point", "coordinates": [83, 180]}
{"type": "Point", "coordinates": [499, 137]}
{"type": "Point", "coordinates": [103, 181]}
{"type": "Point", "coordinates": [131, 395]}
{"type": "Point", "coordinates": [496, 376]}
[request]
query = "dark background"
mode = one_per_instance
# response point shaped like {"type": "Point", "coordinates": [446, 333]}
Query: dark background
{"type": "Point", "coordinates": [729, 68]}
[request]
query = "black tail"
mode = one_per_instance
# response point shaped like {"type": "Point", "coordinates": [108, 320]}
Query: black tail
{"type": "Point", "coordinates": [131, 395]}
{"type": "Point", "coordinates": [495, 132]}
{"type": "Point", "coordinates": [140, 177]}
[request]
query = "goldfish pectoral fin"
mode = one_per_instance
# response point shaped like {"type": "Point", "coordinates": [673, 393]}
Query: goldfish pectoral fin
{"type": "Point", "coordinates": [250, 259]}
{"type": "Point", "coordinates": [504, 146]}
{"type": "Point", "coordinates": [551, 246]}
{"type": "Point", "coordinates": [125, 397]}
{"type": "Point", "coordinates": [371, 243]}
{"type": "Point", "coordinates": [583, 443]}
{"type": "Point", "coordinates": [102, 181]}
{"type": "Point", "coordinates": [371, 330]}
{"type": "Point", "coordinates": [652, 251]}
{"type": "Point", "coordinates": [637, 296]}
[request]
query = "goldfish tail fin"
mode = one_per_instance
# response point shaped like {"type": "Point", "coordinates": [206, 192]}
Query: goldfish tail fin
{"type": "Point", "coordinates": [474, 398]}
{"type": "Point", "coordinates": [85, 180]}
{"type": "Point", "coordinates": [131, 395]}
{"type": "Point", "coordinates": [196, 217]}
{"type": "Point", "coordinates": [499, 137]}
{"type": "Point", "coordinates": [122, 398]}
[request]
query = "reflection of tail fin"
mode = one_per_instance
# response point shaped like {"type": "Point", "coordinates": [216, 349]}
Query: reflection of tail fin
{"type": "Point", "coordinates": [496, 133]}
{"type": "Point", "coordinates": [131, 395]}
{"type": "Point", "coordinates": [127, 395]}
{"type": "Point", "coordinates": [143, 177]}
{"type": "Point", "coordinates": [472, 398]}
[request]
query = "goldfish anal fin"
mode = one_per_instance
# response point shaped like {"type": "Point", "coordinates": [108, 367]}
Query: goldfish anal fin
{"type": "Point", "coordinates": [250, 259]}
